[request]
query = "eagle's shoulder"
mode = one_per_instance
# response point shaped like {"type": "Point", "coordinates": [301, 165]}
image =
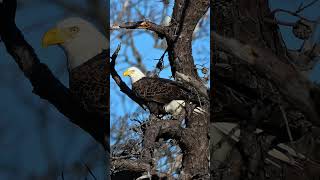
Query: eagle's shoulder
{"type": "Point", "coordinates": [89, 82]}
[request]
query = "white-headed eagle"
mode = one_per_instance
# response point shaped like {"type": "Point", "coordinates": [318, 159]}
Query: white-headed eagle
{"type": "Point", "coordinates": [85, 48]}
{"type": "Point", "coordinates": [161, 96]}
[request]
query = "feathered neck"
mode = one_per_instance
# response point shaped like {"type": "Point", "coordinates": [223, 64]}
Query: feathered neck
{"type": "Point", "coordinates": [136, 77]}
{"type": "Point", "coordinates": [99, 57]}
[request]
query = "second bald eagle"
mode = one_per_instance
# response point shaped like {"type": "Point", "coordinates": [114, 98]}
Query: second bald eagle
{"type": "Point", "coordinates": [85, 48]}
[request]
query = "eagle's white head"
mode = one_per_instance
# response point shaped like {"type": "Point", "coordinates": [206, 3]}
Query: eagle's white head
{"type": "Point", "coordinates": [134, 73]}
{"type": "Point", "coordinates": [80, 40]}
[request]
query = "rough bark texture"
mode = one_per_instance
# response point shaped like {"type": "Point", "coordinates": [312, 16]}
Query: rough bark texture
{"type": "Point", "coordinates": [259, 84]}
{"type": "Point", "coordinates": [44, 83]}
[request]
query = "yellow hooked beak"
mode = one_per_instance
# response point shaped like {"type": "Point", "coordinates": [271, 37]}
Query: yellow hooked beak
{"type": "Point", "coordinates": [127, 72]}
{"type": "Point", "coordinates": [53, 37]}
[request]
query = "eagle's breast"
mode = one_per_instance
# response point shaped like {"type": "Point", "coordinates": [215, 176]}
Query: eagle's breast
{"type": "Point", "coordinates": [89, 82]}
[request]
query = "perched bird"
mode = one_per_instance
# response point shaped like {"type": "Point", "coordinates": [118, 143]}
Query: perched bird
{"type": "Point", "coordinates": [85, 48]}
{"type": "Point", "coordinates": [158, 93]}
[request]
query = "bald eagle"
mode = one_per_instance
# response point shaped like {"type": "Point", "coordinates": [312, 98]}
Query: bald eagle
{"type": "Point", "coordinates": [85, 48]}
{"type": "Point", "coordinates": [161, 96]}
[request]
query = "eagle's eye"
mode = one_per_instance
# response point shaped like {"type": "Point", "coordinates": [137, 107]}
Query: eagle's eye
{"type": "Point", "coordinates": [74, 29]}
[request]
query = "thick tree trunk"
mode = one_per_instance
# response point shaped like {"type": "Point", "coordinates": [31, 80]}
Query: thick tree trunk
{"type": "Point", "coordinates": [257, 86]}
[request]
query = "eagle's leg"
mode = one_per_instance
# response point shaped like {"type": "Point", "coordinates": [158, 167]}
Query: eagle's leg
{"type": "Point", "coordinates": [181, 117]}
{"type": "Point", "coordinates": [189, 109]}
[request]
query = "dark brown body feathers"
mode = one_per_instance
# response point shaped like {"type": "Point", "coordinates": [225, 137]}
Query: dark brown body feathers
{"type": "Point", "coordinates": [157, 92]}
{"type": "Point", "coordinates": [89, 82]}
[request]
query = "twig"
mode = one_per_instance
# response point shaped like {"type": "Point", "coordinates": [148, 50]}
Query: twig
{"type": "Point", "coordinates": [160, 61]}
{"type": "Point", "coordinates": [90, 172]}
{"type": "Point", "coordinates": [162, 31]}
{"type": "Point", "coordinates": [301, 8]}
{"type": "Point", "coordinates": [291, 13]}
{"type": "Point", "coordinates": [278, 22]}
{"type": "Point", "coordinates": [287, 125]}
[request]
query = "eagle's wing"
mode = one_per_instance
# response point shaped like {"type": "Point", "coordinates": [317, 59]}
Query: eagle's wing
{"type": "Point", "coordinates": [160, 90]}
{"type": "Point", "coordinates": [89, 83]}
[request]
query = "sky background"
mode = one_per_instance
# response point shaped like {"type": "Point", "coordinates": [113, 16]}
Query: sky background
{"type": "Point", "coordinates": [35, 139]}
